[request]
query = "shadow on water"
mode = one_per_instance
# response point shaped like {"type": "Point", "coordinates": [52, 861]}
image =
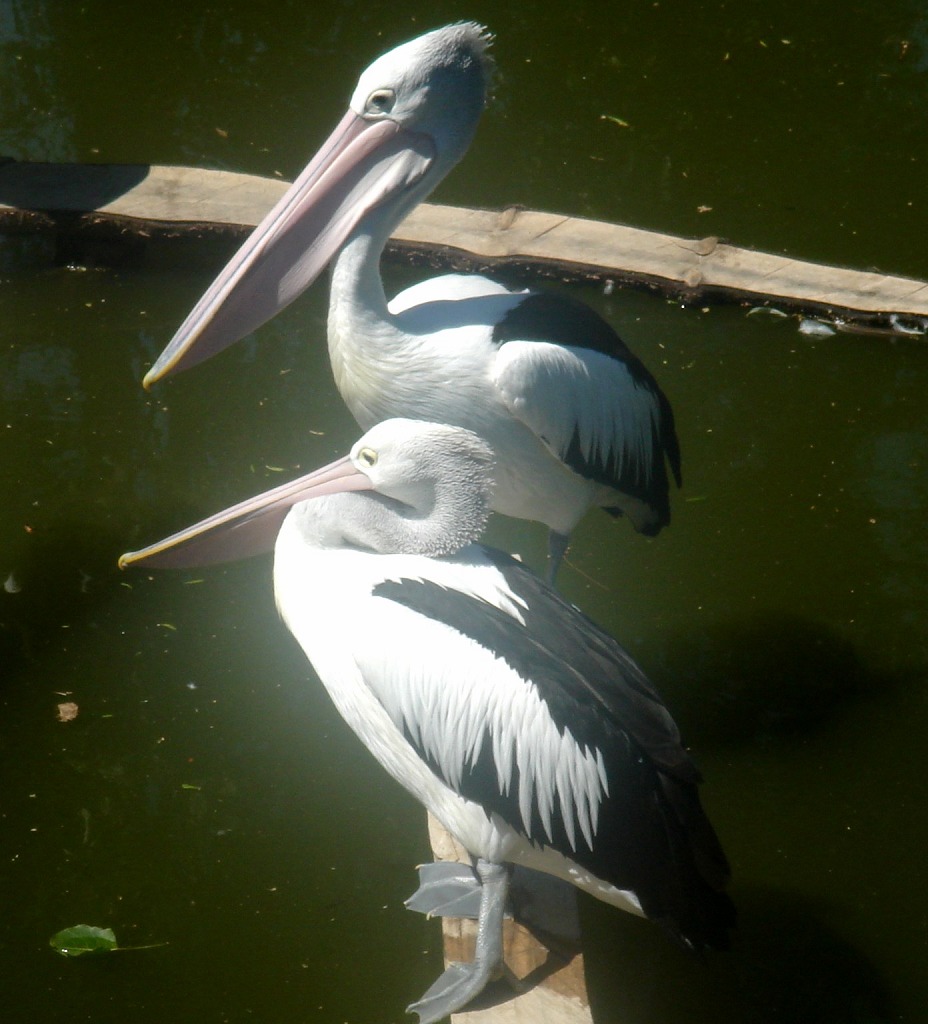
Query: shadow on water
{"type": "Point", "coordinates": [786, 966]}
{"type": "Point", "coordinates": [774, 675]}
{"type": "Point", "coordinates": [790, 967]}
{"type": "Point", "coordinates": [750, 692]}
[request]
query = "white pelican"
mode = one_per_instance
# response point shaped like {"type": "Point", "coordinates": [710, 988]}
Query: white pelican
{"type": "Point", "coordinates": [574, 418]}
{"type": "Point", "coordinates": [523, 727]}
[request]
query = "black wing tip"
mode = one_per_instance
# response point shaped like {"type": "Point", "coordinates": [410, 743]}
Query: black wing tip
{"type": "Point", "coordinates": [670, 442]}
{"type": "Point", "coordinates": [653, 529]}
{"type": "Point", "coordinates": [647, 518]}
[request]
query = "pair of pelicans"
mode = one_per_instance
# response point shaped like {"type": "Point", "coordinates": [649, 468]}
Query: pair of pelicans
{"type": "Point", "coordinates": [525, 729]}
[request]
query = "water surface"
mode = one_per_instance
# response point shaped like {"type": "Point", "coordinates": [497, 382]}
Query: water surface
{"type": "Point", "coordinates": [207, 795]}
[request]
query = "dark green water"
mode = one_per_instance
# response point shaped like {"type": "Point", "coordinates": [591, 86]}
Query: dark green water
{"type": "Point", "coordinates": [207, 795]}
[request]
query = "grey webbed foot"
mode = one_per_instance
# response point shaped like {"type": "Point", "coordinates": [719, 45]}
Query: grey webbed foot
{"type": "Point", "coordinates": [460, 983]}
{"type": "Point", "coordinates": [446, 889]}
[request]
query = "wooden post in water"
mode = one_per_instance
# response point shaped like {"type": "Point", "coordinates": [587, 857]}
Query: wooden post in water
{"type": "Point", "coordinates": [546, 982]}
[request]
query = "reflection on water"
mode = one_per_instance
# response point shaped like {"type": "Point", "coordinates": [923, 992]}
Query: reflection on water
{"type": "Point", "coordinates": [207, 794]}
{"type": "Point", "coordinates": [38, 120]}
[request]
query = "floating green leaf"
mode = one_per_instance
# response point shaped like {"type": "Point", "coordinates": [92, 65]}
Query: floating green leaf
{"type": "Point", "coordinates": [83, 938]}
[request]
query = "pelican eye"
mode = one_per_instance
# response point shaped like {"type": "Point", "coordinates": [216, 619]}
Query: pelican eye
{"type": "Point", "coordinates": [380, 101]}
{"type": "Point", "coordinates": [367, 457]}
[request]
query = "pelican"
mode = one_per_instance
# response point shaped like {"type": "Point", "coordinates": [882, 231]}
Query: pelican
{"type": "Point", "coordinates": [574, 419]}
{"type": "Point", "coordinates": [524, 728]}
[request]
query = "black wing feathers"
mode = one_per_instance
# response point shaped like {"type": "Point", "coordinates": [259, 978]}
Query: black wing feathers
{"type": "Point", "coordinates": [652, 836]}
{"type": "Point", "coordinates": [561, 320]}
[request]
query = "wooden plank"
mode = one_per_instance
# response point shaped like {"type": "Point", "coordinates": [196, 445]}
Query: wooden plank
{"type": "Point", "coordinates": [547, 984]}
{"type": "Point", "coordinates": [149, 201]}
{"type": "Point", "coordinates": [163, 195]}
{"type": "Point", "coordinates": [696, 265]}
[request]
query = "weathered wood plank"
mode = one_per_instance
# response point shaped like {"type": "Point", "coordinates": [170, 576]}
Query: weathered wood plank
{"type": "Point", "coordinates": [697, 265]}
{"type": "Point", "coordinates": [542, 949]}
{"type": "Point", "coordinates": [121, 200]}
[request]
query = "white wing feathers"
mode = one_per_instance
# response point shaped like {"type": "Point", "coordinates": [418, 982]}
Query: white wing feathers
{"type": "Point", "coordinates": [476, 698]}
{"type": "Point", "coordinates": [562, 393]}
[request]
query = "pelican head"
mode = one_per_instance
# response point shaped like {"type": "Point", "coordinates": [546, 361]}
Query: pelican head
{"type": "Point", "coordinates": [411, 118]}
{"type": "Point", "coordinates": [431, 483]}
{"type": "Point", "coordinates": [436, 84]}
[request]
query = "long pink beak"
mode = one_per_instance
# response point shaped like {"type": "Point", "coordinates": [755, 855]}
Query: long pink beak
{"type": "Point", "coordinates": [248, 528]}
{"type": "Point", "coordinates": [362, 163]}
